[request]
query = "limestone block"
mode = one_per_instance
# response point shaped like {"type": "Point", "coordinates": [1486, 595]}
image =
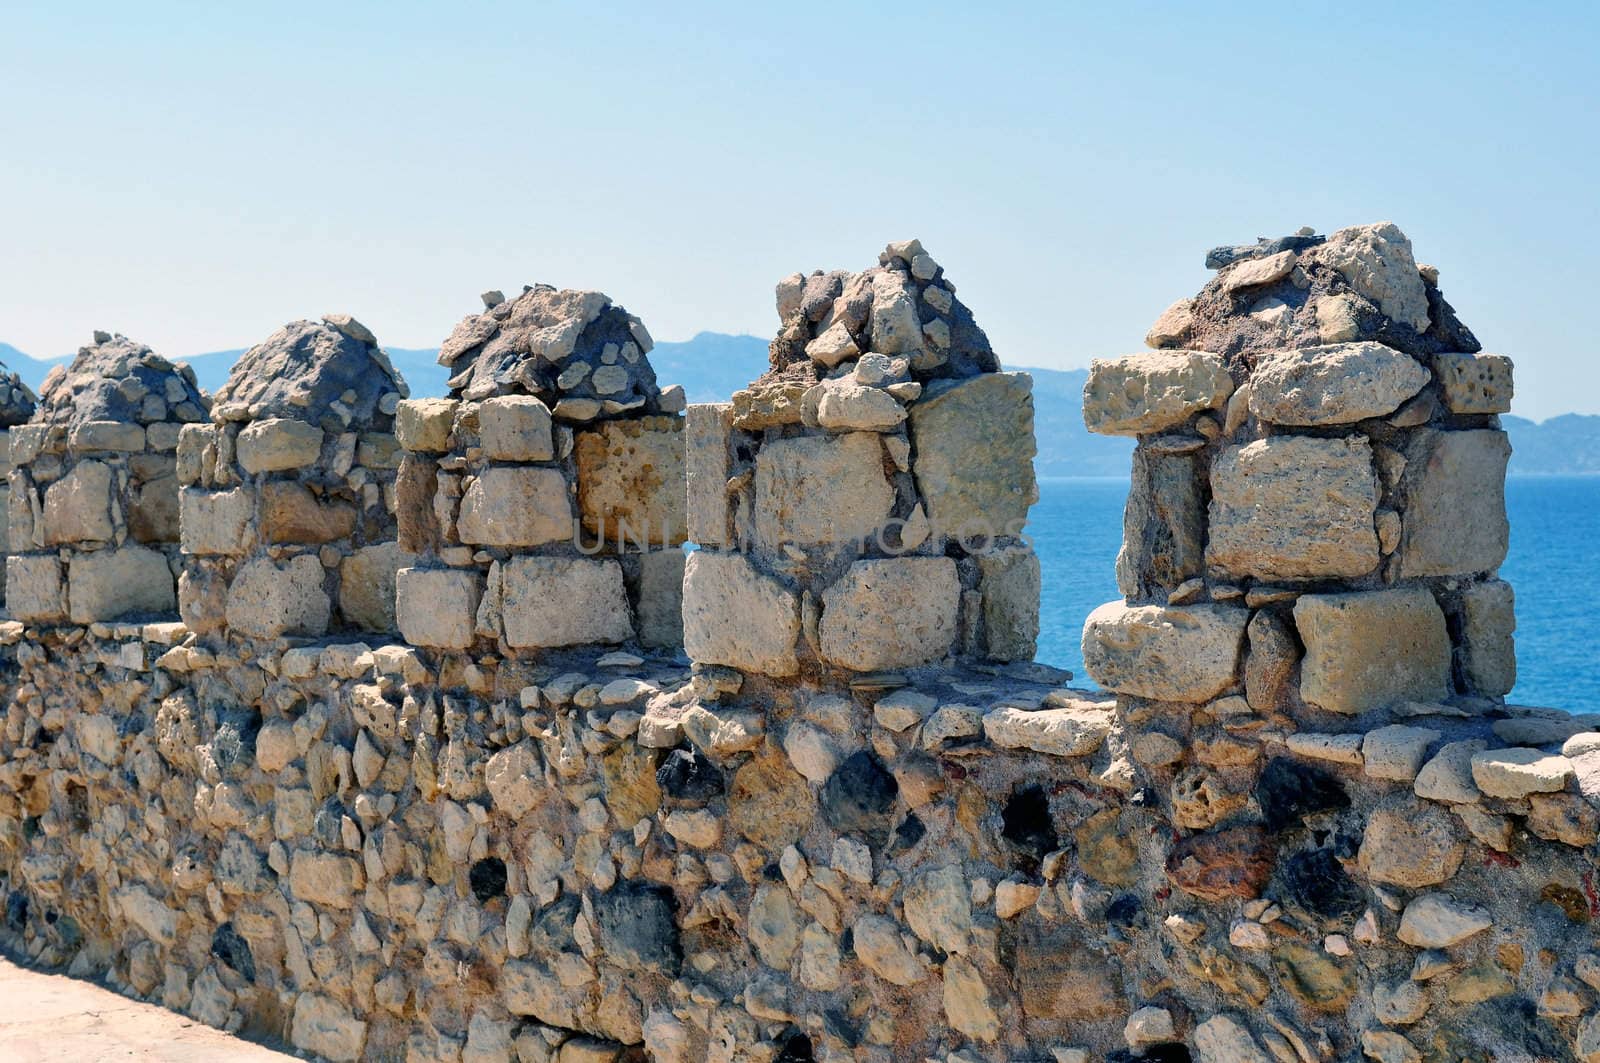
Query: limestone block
{"type": "Point", "coordinates": [1376, 260]}
{"type": "Point", "coordinates": [735, 616]}
{"type": "Point", "coordinates": [424, 425]}
{"type": "Point", "coordinates": [327, 1028]}
{"type": "Point", "coordinates": [1075, 729]}
{"type": "Point", "coordinates": [1224, 1039]}
{"type": "Point", "coordinates": [1338, 384]}
{"type": "Point", "coordinates": [197, 453]}
{"type": "Point", "coordinates": [1137, 394]}
{"type": "Point", "coordinates": [277, 444]}
{"type": "Point", "coordinates": [845, 406]}
{"type": "Point", "coordinates": [891, 613]}
{"type": "Point", "coordinates": [1163, 524]}
{"type": "Point", "coordinates": [1475, 383]}
{"type": "Point", "coordinates": [269, 599]}
{"type": "Point", "coordinates": [1517, 772]}
{"type": "Point", "coordinates": [660, 598]}
{"type": "Point", "coordinates": [216, 522]}
{"type": "Point", "coordinates": [1171, 653]}
{"type": "Point", "coordinates": [36, 589]}
{"type": "Point", "coordinates": [1455, 512]}
{"type": "Point", "coordinates": [894, 327]}
{"type": "Point", "coordinates": [1294, 507]}
{"type": "Point", "coordinates": [1488, 647]}
{"type": "Point", "coordinates": [563, 601]}
{"type": "Point", "coordinates": [515, 428]}
{"type": "Point", "coordinates": [1371, 649]}
{"type": "Point", "coordinates": [438, 607]}
{"type": "Point", "coordinates": [290, 513]}
{"type": "Point", "coordinates": [821, 489]}
{"type": "Point", "coordinates": [202, 599]}
{"type": "Point", "coordinates": [631, 482]}
{"type": "Point", "coordinates": [1010, 582]}
{"type": "Point", "coordinates": [77, 507]}
{"type": "Point", "coordinates": [379, 450]}
{"type": "Point", "coordinates": [1438, 921]}
{"type": "Point", "coordinates": [112, 436]}
{"type": "Point", "coordinates": [111, 584]}
{"type": "Point", "coordinates": [516, 505]}
{"type": "Point", "coordinates": [367, 586]}
{"type": "Point", "coordinates": [706, 429]}
{"type": "Point", "coordinates": [153, 515]}
{"type": "Point", "coordinates": [973, 450]}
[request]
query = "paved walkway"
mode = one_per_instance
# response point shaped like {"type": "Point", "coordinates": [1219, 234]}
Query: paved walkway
{"type": "Point", "coordinates": [50, 1018]}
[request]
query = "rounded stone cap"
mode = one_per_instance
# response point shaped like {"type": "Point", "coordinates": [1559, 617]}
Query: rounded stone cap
{"type": "Point", "coordinates": [329, 373]}
{"type": "Point", "coordinates": [17, 401]}
{"type": "Point", "coordinates": [579, 352]}
{"type": "Point", "coordinates": [122, 380]}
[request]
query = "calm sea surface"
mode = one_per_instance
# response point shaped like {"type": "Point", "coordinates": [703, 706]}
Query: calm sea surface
{"type": "Point", "coordinates": [1554, 566]}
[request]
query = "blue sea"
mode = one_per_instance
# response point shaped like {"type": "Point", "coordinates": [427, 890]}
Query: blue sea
{"type": "Point", "coordinates": [1554, 565]}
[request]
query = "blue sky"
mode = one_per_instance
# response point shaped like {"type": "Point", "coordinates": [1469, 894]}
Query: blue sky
{"type": "Point", "coordinates": [196, 174]}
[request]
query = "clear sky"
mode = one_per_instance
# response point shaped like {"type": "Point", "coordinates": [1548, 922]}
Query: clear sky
{"type": "Point", "coordinates": [195, 175]}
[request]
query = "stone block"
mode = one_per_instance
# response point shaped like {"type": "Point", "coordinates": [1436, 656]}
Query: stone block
{"type": "Point", "coordinates": [1294, 508]}
{"type": "Point", "coordinates": [706, 430]}
{"type": "Point", "coordinates": [197, 453]}
{"type": "Point", "coordinates": [438, 607]}
{"type": "Point", "coordinates": [270, 599]}
{"type": "Point", "coordinates": [424, 425]}
{"type": "Point", "coordinates": [106, 436]}
{"type": "Point", "coordinates": [36, 588]}
{"type": "Point", "coordinates": [278, 444]}
{"type": "Point", "coordinates": [327, 1028]}
{"type": "Point", "coordinates": [367, 586]}
{"type": "Point", "coordinates": [1338, 384]}
{"type": "Point", "coordinates": [202, 599]}
{"type": "Point", "coordinates": [564, 601]}
{"type": "Point", "coordinates": [1138, 394]}
{"type": "Point", "coordinates": [379, 450]}
{"type": "Point", "coordinates": [631, 481]}
{"type": "Point", "coordinates": [1371, 649]}
{"type": "Point", "coordinates": [216, 522]}
{"type": "Point", "coordinates": [973, 449]}
{"type": "Point", "coordinates": [821, 489]}
{"type": "Point", "coordinates": [514, 428]}
{"type": "Point", "coordinates": [290, 513]}
{"type": "Point", "coordinates": [77, 507]}
{"type": "Point", "coordinates": [1163, 524]}
{"type": "Point", "coordinates": [1010, 581]}
{"type": "Point", "coordinates": [1455, 510]}
{"type": "Point", "coordinates": [1170, 653]}
{"type": "Point", "coordinates": [1475, 383]}
{"type": "Point", "coordinates": [735, 616]}
{"type": "Point", "coordinates": [659, 606]}
{"type": "Point", "coordinates": [1376, 260]}
{"type": "Point", "coordinates": [153, 515]}
{"type": "Point", "coordinates": [112, 584]}
{"type": "Point", "coordinates": [891, 613]}
{"type": "Point", "coordinates": [1488, 646]}
{"type": "Point", "coordinates": [516, 505]}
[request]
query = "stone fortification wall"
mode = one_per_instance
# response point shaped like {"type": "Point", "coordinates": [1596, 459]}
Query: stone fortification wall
{"type": "Point", "coordinates": [1299, 824]}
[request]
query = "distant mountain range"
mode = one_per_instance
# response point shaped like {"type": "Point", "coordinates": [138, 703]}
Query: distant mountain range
{"type": "Point", "coordinates": [713, 365]}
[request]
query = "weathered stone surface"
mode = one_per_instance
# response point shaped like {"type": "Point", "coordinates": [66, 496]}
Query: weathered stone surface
{"type": "Point", "coordinates": [1294, 507]}
{"type": "Point", "coordinates": [1138, 394]}
{"type": "Point", "coordinates": [1377, 262]}
{"type": "Point", "coordinates": [1437, 921]}
{"type": "Point", "coordinates": [318, 372]}
{"type": "Point", "coordinates": [269, 599]}
{"type": "Point", "coordinates": [846, 406]}
{"type": "Point", "coordinates": [516, 505]}
{"type": "Point", "coordinates": [1224, 1039]}
{"type": "Point", "coordinates": [515, 428]}
{"type": "Point", "coordinates": [890, 613]}
{"type": "Point", "coordinates": [327, 1028]}
{"type": "Point", "coordinates": [1396, 752]}
{"type": "Point", "coordinates": [1515, 773]}
{"type": "Point", "coordinates": [631, 481]}
{"type": "Point", "coordinates": [367, 586]}
{"type": "Point", "coordinates": [1410, 847]}
{"type": "Point", "coordinates": [815, 489]}
{"type": "Point", "coordinates": [1179, 653]}
{"type": "Point", "coordinates": [1314, 977]}
{"type": "Point", "coordinates": [438, 606]}
{"type": "Point", "coordinates": [1163, 524]}
{"type": "Point", "coordinates": [1269, 662]}
{"type": "Point", "coordinates": [706, 430]}
{"type": "Point", "coordinates": [1010, 581]}
{"type": "Point", "coordinates": [769, 802]}
{"type": "Point", "coordinates": [216, 522]}
{"type": "Point", "coordinates": [1455, 512]}
{"type": "Point", "coordinates": [111, 584]}
{"type": "Point", "coordinates": [324, 878]}
{"type": "Point", "coordinates": [424, 425]}
{"type": "Point", "coordinates": [1337, 384]}
{"type": "Point", "coordinates": [1488, 648]}
{"type": "Point", "coordinates": [1448, 776]}
{"type": "Point", "coordinates": [1367, 650]}
{"type": "Point", "coordinates": [733, 615]}
{"type": "Point", "coordinates": [1060, 976]}
{"type": "Point", "coordinates": [290, 513]}
{"type": "Point", "coordinates": [77, 507]}
{"type": "Point", "coordinates": [880, 945]}
{"type": "Point", "coordinates": [1475, 383]}
{"type": "Point", "coordinates": [1223, 864]}
{"type": "Point", "coordinates": [1074, 730]}
{"type": "Point", "coordinates": [278, 444]}
{"type": "Point", "coordinates": [660, 598]}
{"type": "Point", "coordinates": [562, 601]}
{"type": "Point", "coordinates": [973, 448]}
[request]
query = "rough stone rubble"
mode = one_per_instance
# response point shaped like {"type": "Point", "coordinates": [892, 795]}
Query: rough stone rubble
{"type": "Point", "coordinates": [858, 822]}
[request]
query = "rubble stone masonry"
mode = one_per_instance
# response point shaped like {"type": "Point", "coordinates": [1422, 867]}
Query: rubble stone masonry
{"type": "Point", "coordinates": [450, 757]}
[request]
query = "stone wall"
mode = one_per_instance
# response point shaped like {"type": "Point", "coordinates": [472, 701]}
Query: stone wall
{"type": "Point", "coordinates": [1300, 824]}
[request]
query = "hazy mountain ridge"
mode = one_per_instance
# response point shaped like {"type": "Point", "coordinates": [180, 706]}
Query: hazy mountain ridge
{"type": "Point", "coordinates": [712, 365]}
